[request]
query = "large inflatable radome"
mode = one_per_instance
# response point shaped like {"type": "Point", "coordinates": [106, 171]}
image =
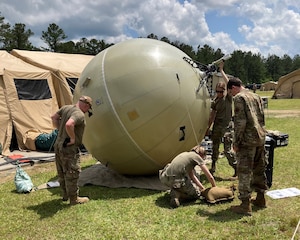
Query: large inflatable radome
{"type": "Point", "coordinates": [149, 104]}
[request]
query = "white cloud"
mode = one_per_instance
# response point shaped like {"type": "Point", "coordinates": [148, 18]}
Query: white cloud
{"type": "Point", "coordinates": [275, 26]}
{"type": "Point", "coordinates": [270, 26]}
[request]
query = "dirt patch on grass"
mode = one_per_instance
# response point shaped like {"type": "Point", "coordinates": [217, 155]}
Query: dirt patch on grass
{"type": "Point", "coordinates": [282, 113]}
{"type": "Point", "coordinates": [37, 167]}
{"type": "Point", "coordinates": [9, 174]}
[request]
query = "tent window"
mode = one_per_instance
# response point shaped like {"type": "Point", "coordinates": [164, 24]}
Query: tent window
{"type": "Point", "coordinates": [72, 83]}
{"type": "Point", "coordinates": [32, 89]}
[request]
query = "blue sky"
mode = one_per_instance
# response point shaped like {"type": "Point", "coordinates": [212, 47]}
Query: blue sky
{"type": "Point", "coordinates": [217, 23]}
{"type": "Point", "coordinates": [265, 27]}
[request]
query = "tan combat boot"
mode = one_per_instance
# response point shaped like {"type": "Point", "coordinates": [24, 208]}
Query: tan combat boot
{"type": "Point", "coordinates": [259, 201]}
{"type": "Point", "coordinates": [244, 208]}
{"type": "Point", "coordinates": [78, 200]}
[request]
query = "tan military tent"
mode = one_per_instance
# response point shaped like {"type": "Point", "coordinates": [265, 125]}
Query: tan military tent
{"type": "Point", "coordinates": [27, 100]}
{"type": "Point", "coordinates": [288, 86]}
{"type": "Point", "coordinates": [65, 69]}
{"type": "Point", "coordinates": [268, 86]}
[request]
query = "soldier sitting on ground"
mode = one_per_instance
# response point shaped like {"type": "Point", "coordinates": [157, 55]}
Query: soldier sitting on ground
{"type": "Point", "coordinates": [180, 176]}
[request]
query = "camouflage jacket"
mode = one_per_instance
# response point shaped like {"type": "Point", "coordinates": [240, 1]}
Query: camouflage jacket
{"type": "Point", "coordinates": [249, 120]}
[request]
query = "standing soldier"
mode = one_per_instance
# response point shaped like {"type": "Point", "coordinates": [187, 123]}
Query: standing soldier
{"type": "Point", "coordinates": [220, 116]}
{"type": "Point", "coordinates": [248, 143]}
{"type": "Point", "coordinates": [70, 122]}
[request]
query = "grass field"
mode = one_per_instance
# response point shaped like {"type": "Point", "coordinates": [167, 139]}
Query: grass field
{"type": "Point", "coordinates": [144, 214]}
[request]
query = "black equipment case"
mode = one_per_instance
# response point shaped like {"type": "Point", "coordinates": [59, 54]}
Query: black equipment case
{"type": "Point", "coordinates": [272, 141]}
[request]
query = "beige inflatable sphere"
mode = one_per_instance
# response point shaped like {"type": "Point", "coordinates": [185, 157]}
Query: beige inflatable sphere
{"type": "Point", "coordinates": [146, 109]}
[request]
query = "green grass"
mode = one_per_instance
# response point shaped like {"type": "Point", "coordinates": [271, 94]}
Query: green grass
{"type": "Point", "coordinates": [279, 104]}
{"type": "Point", "coordinates": [144, 214]}
{"type": "Point", "coordinates": [268, 94]}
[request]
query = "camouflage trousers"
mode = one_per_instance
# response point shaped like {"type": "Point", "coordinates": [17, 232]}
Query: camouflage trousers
{"type": "Point", "coordinates": [251, 165]}
{"type": "Point", "coordinates": [228, 151]}
{"type": "Point", "coordinates": [217, 136]}
{"type": "Point", "coordinates": [67, 161]}
{"type": "Point", "coordinates": [181, 184]}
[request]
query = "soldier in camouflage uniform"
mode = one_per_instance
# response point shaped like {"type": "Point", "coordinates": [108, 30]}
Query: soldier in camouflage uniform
{"type": "Point", "coordinates": [180, 176]}
{"type": "Point", "coordinates": [70, 122]}
{"type": "Point", "coordinates": [220, 116]}
{"type": "Point", "coordinates": [248, 143]}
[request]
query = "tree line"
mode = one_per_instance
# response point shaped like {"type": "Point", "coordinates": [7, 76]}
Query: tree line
{"type": "Point", "coordinates": [249, 67]}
